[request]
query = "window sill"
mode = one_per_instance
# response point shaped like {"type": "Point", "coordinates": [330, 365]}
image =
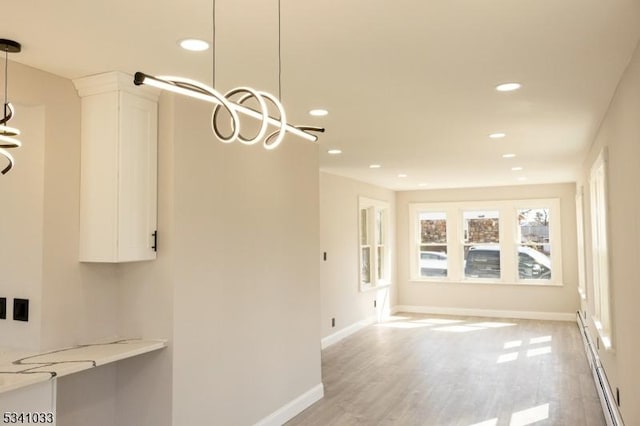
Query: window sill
{"type": "Point", "coordinates": [582, 294]}
{"type": "Point", "coordinates": [604, 336]}
{"type": "Point", "coordinates": [368, 288]}
{"type": "Point", "coordinates": [485, 283]}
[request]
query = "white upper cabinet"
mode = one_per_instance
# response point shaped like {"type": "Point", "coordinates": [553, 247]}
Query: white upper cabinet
{"type": "Point", "coordinates": [118, 184]}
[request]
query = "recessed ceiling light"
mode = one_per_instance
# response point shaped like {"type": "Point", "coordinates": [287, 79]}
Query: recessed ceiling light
{"type": "Point", "coordinates": [522, 178]}
{"type": "Point", "coordinates": [402, 175]}
{"type": "Point", "coordinates": [334, 151]}
{"type": "Point", "coordinates": [517, 168]}
{"type": "Point", "coordinates": [508, 87]}
{"type": "Point", "coordinates": [194, 44]}
{"type": "Point", "coordinates": [498, 135]}
{"type": "Point", "coordinates": [318, 112]}
{"type": "Point", "coordinates": [508, 155]}
{"type": "Point", "coordinates": [375, 166]}
{"type": "Point", "coordinates": [423, 184]}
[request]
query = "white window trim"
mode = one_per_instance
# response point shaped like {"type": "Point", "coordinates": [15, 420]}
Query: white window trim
{"type": "Point", "coordinates": [600, 250]}
{"type": "Point", "coordinates": [582, 281]}
{"type": "Point", "coordinates": [375, 205]}
{"type": "Point", "coordinates": [508, 232]}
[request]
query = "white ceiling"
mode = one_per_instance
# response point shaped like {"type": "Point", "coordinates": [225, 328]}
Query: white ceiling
{"type": "Point", "coordinates": [409, 84]}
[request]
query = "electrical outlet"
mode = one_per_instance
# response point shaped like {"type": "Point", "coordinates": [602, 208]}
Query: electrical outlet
{"type": "Point", "coordinates": [333, 322]}
{"type": "Point", "coordinates": [21, 309]}
{"type": "Point", "coordinates": [3, 308]}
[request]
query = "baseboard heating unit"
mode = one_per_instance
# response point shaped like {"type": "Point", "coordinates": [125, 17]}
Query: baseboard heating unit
{"type": "Point", "coordinates": [607, 400]}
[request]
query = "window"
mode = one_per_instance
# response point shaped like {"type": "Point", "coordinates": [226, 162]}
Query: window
{"type": "Point", "coordinates": [533, 246]}
{"type": "Point", "coordinates": [481, 239]}
{"type": "Point", "coordinates": [599, 248]}
{"type": "Point", "coordinates": [508, 242]}
{"type": "Point", "coordinates": [365, 247]}
{"type": "Point", "coordinates": [374, 245]}
{"type": "Point", "coordinates": [433, 244]}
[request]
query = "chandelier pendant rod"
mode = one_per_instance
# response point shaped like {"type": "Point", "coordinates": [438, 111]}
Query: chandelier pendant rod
{"type": "Point", "coordinates": [165, 84]}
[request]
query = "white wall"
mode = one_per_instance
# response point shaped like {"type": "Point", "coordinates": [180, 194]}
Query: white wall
{"type": "Point", "coordinates": [21, 233]}
{"type": "Point", "coordinates": [620, 133]}
{"type": "Point", "coordinates": [235, 286]}
{"type": "Point", "coordinates": [340, 293]}
{"type": "Point", "coordinates": [73, 302]}
{"type": "Point", "coordinates": [70, 302]}
{"type": "Point", "coordinates": [246, 299]}
{"type": "Point", "coordinates": [145, 384]}
{"type": "Point", "coordinates": [490, 297]}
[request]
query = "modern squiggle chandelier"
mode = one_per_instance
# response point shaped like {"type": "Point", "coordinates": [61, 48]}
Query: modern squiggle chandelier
{"type": "Point", "coordinates": [234, 102]}
{"type": "Point", "coordinates": [7, 134]}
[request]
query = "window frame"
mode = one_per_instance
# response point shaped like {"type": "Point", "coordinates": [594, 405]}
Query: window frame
{"type": "Point", "coordinates": [374, 207]}
{"type": "Point", "coordinates": [463, 243]}
{"type": "Point", "coordinates": [508, 223]}
{"type": "Point", "coordinates": [582, 281]}
{"type": "Point", "coordinates": [598, 191]}
{"type": "Point", "coordinates": [419, 244]}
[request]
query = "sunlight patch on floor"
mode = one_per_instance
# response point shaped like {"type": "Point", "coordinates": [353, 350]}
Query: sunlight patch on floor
{"type": "Point", "coordinates": [438, 321]}
{"type": "Point", "coordinates": [513, 344]}
{"type": "Point", "coordinates": [492, 324]}
{"type": "Point", "coordinates": [511, 356]}
{"type": "Point", "coordinates": [445, 324]}
{"type": "Point", "coordinates": [492, 422]}
{"type": "Point", "coordinates": [459, 328]}
{"type": "Point", "coordinates": [402, 324]}
{"type": "Point", "coordinates": [530, 415]}
{"type": "Point", "coordinates": [522, 418]}
{"type": "Point", "coordinates": [543, 339]}
{"type": "Point", "coordinates": [396, 318]}
{"type": "Point", "coordinates": [539, 351]}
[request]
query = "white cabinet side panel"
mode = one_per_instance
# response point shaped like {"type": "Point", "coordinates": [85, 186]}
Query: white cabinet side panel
{"type": "Point", "coordinates": [98, 189]}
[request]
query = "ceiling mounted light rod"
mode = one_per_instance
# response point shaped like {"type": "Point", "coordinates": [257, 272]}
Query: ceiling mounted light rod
{"type": "Point", "coordinates": [7, 140]}
{"type": "Point", "coordinates": [235, 102]}
{"type": "Point", "coordinates": [202, 92]}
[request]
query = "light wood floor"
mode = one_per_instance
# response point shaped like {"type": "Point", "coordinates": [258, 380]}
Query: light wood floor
{"type": "Point", "coordinates": [437, 370]}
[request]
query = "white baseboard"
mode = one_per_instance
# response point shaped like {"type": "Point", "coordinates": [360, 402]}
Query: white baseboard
{"type": "Point", "coordinates": [345, 332]}
{"type": "Point", "coordinates": [293, 408]}
{"type": "Point", "coordinates": [535, 315]}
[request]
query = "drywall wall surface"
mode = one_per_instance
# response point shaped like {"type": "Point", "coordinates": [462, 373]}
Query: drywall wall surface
{"type": "Point", "coordinates": [21, 233]}
{"type": "Point", "coordinates": [71, 302]}
{"type": "Point", "coordinates": [246, 293]}
{"type": "Point", "coordinates": [144, 385]}
{"type": "Point", "coordinates": [341, 297]}
{"type": "Point", "coordinates": [619, 134]}
{"type": "Point", "coordinates": [492, 297]}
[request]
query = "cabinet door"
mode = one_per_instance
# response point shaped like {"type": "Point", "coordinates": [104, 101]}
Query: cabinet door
{"type": "Point", "coordinates": [137, 181]}
{"type": "Point", "coordinates": [118, 185]}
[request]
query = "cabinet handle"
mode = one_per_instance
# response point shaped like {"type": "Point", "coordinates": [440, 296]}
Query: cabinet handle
{"type": "Point", "coordinates": [155, 240]}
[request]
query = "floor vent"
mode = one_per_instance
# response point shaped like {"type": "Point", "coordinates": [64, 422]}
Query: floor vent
{"type": "Point", "coordinates": [607, 400]}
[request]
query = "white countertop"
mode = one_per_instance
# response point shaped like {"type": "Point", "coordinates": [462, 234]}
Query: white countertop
{"type": "Point", "coordinates": [24, 368]}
